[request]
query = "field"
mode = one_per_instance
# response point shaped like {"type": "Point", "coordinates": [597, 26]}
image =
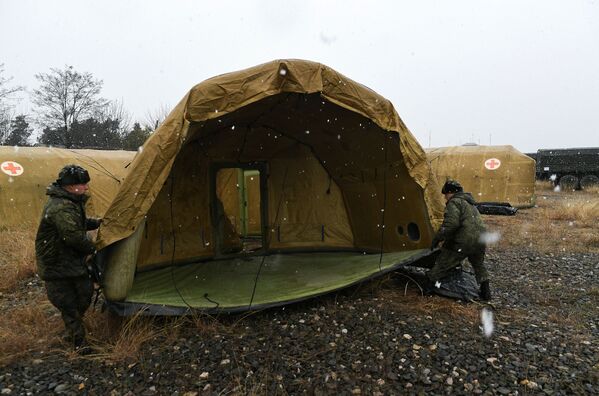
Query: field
{"type": "Point", "coordinates": [382, 337]}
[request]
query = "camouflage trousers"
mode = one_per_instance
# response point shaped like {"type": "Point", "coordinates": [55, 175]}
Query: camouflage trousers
{"type": "Point", "coordinates": [72, 297]}
{"type": "Point", "coordinates": [447, 262]}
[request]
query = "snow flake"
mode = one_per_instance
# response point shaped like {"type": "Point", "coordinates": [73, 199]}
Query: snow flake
{"type": "Point", "coordinates": [489, 238]}
{"type": "Point", "coordinates": [486, 317]}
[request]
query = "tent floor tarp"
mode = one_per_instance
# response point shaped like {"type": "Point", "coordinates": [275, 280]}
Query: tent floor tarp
{"type": "Point", "coordinates": [278, 279]}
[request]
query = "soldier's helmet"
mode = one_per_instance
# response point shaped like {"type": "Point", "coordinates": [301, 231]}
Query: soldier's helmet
{"type": "Point", "coordinates": [451, 186]}
{"type": "Point", "coordinates": [72, 174]}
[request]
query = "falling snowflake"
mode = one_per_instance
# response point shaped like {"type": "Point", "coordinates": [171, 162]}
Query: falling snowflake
{"type": "Point", "coordinates": [489, 238]}
{"type": "Point", "coordinates": [486, 317]}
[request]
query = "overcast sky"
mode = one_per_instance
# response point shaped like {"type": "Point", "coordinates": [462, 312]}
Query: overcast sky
{"type": "Point", "coordinates": [517, 72]}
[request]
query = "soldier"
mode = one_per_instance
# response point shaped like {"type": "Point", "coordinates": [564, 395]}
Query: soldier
{"type": "Point", "coordinates": [460, 233]}
{"type": "Point", "coordinates": [62, 246]}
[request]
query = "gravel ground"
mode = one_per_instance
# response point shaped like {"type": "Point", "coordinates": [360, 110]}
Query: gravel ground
{"type": "Point", "coordinates": [379, 338]}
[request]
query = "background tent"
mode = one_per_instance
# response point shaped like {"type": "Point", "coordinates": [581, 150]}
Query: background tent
{"type": "Point", "coordinates": [490, 173]}
{"type": "Point", "coordinates": [27, 171]}
{"type": "Point", "coordinates": [343, 194]}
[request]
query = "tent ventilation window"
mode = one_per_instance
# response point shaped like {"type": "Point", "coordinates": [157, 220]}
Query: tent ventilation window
{"type": "Point", "coordinates": [400, 230]}
{"type": "Point", "coordinates": [413, 231]}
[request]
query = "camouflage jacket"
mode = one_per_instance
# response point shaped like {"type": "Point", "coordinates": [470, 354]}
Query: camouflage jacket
{"type": "Point", "coordinates": [61, 243]}
{"type": "Point", "coordinates": [462, 225]}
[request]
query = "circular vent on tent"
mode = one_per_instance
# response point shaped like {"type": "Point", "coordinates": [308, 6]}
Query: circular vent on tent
{"type": "Point", "coordinates": [413, 231]}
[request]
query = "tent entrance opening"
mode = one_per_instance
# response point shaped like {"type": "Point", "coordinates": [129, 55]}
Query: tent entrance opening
{"type": "Point", "coordinates": [239, 207]}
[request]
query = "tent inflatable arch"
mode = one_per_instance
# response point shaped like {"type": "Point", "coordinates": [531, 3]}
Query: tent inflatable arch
{"type": "Point", "coordinates": [340, 193]}
{"type": "Point", "coordinates": [490, 173]}
{"type": "Point", "coordinates": [27, 171]}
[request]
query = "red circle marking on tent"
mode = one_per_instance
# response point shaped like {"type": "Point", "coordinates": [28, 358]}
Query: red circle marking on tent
{"type": "Point", "coordinates": [11, 168]}
{"type": "Point", "coordinates": [492, 163]}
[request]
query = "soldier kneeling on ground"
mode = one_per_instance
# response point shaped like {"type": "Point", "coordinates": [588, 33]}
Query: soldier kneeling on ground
{"type": "Point", "coordinates": [62, 246]}
{"type": "Point", "coordinates": [460, 233]}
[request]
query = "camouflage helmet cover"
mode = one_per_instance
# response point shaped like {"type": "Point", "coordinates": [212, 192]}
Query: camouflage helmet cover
{"type": "Point", "coordinates": [72, 174]}
{"type": "Point", "coordinates": [451, 186]}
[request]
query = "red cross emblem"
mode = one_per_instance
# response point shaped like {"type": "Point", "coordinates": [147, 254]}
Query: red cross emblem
{"type": "Point", "coordinates": [11, 168]}
{"type": "Point", "coordinates": [492, 163]}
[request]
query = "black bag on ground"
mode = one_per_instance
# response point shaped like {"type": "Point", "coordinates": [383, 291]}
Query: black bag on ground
{"type": "Point", "coordinates": [496, 208]}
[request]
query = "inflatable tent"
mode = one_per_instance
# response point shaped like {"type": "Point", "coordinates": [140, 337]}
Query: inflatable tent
{"type": "Point", "coordinates": [343, 192]}
{"type": "Point", "coordinates": [27, 171]}
{"type": "Point", "coordinates": [491, 173]}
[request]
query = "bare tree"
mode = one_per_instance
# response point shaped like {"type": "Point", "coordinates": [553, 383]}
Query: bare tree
{"type": "Point", "coordinates": [154, 118]}
{"type": "Point", "coordinates": [7, 93]}
{"type": "Point", "coordinates": [67, 96]}
{"type": "Point", "coordinates": [115, 111]}
{"type": "Point", "coordinates": [6, 117]}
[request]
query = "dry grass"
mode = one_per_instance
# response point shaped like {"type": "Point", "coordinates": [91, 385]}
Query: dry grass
{"type": "Point", "coordinates": [412, 302]}
{"type": "Point", "coordinates": [584, 210]}
{"type": "Point", "coordinates": [121, 339]}
{"type": "Point", "coordinates": [118, 339]}
{"type": "Point", "coordinates": [562, 221]}
{"type": "Point", "coordinates": [17, 258]}
{"type": "Point", "coordinates": [30, 326]}
{"type": "Point", "coordinates": [543, 186]}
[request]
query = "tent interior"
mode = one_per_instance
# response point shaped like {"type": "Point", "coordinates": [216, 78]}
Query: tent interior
{"type": "Point", "coordinates": [282, 199]}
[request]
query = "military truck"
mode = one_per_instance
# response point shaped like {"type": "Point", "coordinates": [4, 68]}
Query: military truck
{"type": "Point", "coordinates": [572, 168]}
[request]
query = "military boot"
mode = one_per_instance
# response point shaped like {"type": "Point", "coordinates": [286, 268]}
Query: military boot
{"type": "Point", "coordinates": [485, 291]}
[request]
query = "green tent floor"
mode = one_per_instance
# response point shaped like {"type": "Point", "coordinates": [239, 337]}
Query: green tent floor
{"type": "Point", "coordinates": [228, 285]}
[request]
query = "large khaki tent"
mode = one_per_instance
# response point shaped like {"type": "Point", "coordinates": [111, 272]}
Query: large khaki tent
{"type": "Point", "coordinates": [27, 171]}
{"type": "Point", "coordinates": [343, 191]}
{"type": "Point", "coordinates": [490, 173]}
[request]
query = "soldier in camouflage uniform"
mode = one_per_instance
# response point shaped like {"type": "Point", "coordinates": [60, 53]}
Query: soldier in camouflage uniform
{"type": "Point", "coordinates": [461, 234]}
{"type": "Point", "coordinates": [61, 248]}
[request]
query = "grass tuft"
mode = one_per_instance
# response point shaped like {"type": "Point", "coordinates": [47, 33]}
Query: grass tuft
{"type": "Point", "coordinates": [17, 258]}
{"type": "Point", "coordinates": [119, 339]}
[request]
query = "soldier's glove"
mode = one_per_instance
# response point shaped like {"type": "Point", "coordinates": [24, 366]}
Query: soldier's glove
{"type": "Point", "coordinates": [436, 242]}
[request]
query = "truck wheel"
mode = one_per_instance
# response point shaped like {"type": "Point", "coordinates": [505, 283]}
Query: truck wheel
{"type": "Point", "coordinates": [568, 183]}
{"type": "Point", "coordinates": [589, 181]}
